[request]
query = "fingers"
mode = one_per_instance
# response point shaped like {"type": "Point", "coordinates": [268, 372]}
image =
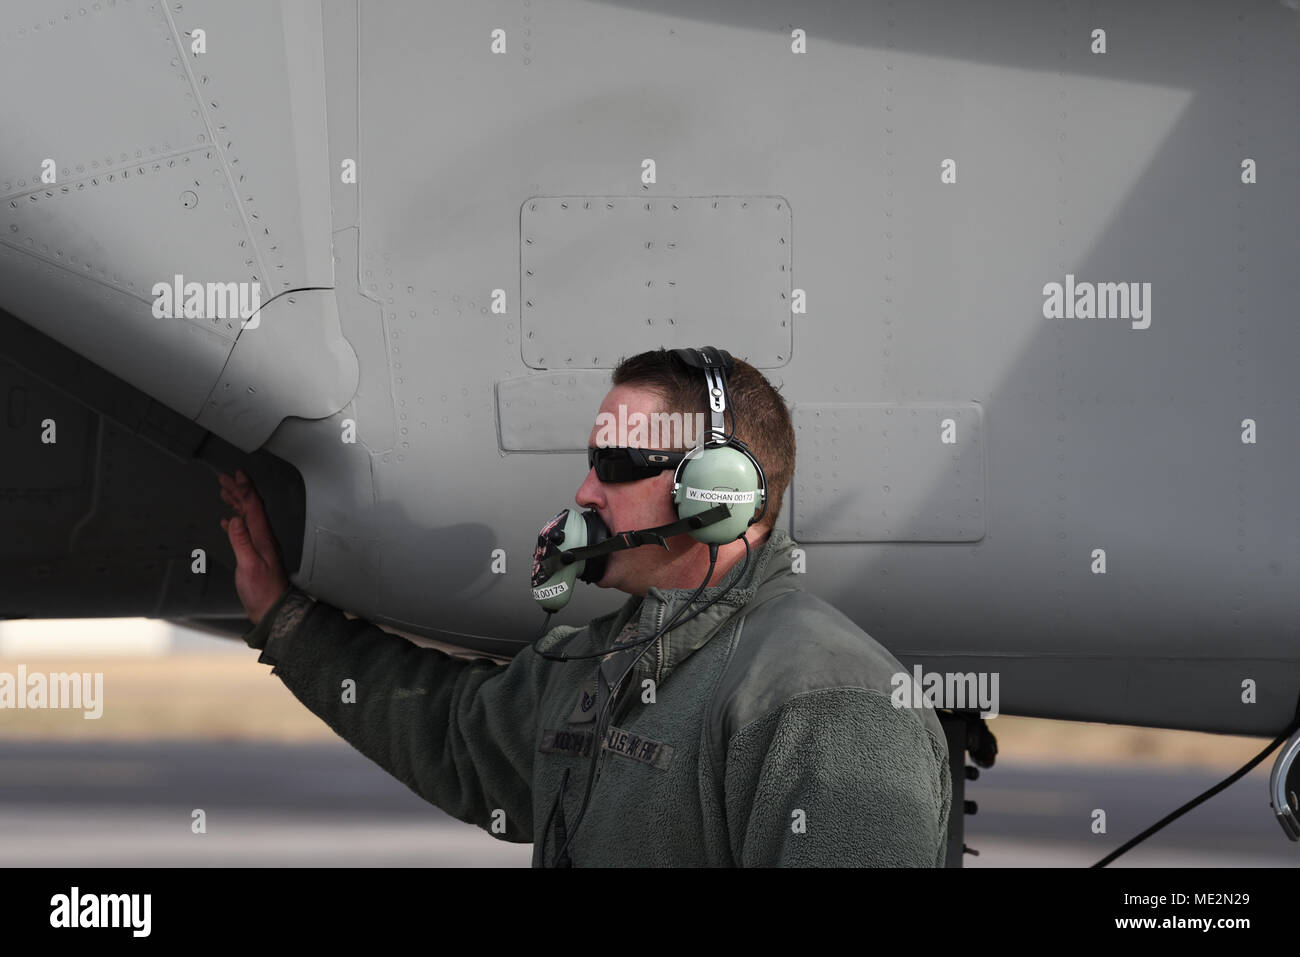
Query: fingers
{"type": "Point", "coordinates": [240, 541]}
{"type": "Point", "coordinates": [240, 494]}
{"type": "Point", "coordinates": [255, 514]}
{"type": "Point", "coordinates": [260, 528]}
{"type": "Point", "coordinates": [239, 483]}
{"type": "Point", "coordinates": [229, 490]}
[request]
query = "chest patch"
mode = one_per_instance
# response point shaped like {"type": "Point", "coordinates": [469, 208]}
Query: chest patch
{"type": "Point", "coordinates": [586, 707]}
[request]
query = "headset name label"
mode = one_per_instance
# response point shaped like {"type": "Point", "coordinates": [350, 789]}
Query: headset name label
{"type": "Point", "coordinates": [550, 591]}
{"type": "Point", "coordinates": [620, 742]}
{"type": "Point", "coordinates": [717, 496]}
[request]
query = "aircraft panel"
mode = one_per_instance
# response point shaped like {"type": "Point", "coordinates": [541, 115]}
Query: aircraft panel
{"type": "Point", "coordinates": [888, 473]}
{"type": "Point", "coordinates": [693, 266]}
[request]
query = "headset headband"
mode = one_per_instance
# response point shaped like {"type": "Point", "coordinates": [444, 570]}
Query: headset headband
{"type": "Point", "coordinates": [715, 364]}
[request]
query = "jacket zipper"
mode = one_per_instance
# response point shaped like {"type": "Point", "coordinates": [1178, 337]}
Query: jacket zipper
{"type": "Point", "coordinates": [613, 705]}
{"type": "Point", "coordinates": [659, 651]}
{"type": "Point", "coordinates": [561, 832]}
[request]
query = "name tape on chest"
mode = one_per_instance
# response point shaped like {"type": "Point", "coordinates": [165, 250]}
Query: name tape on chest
{"type": "Point", "coordinates": [617, 741]}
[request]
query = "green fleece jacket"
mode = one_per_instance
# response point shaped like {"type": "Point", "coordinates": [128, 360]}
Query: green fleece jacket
{"type": "Point", "coordinates": [760, 733]}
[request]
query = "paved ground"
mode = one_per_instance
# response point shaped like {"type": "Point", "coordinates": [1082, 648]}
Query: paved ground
{"type": "Point", "coordinates": [1042, 816]}
{"type": "Point", "coordinates": [324, 804]}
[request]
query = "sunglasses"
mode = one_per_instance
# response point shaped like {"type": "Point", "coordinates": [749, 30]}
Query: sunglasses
{"type": "Point", "coordinates": [621, 464]}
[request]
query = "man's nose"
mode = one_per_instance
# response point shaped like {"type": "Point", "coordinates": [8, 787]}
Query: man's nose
{"type": "Point", "coordinates": [590, 494]}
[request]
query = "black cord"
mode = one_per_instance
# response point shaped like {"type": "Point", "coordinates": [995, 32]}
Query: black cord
{"type": "Point", "coordinates": [1202, 798]}
{"type": "Point", "coordinates": [595, 654]}
{"type": "Point", "coordinates": [605, 717]}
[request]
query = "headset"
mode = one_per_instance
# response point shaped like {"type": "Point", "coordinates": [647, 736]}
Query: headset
{"type": "Point", "coordinates": [719, 489]}
{"type": "Point", "coordinates": [722, 470]}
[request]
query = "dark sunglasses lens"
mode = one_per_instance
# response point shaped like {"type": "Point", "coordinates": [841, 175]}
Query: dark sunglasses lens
{"type": "Point", "coordinates": [613, 465]}
{"type": "Point", "coordinates": [617, 465]}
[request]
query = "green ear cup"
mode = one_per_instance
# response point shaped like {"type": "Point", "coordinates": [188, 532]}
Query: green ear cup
{"type": "Point", "coordinates": [719, 476]}
{"type": "Point", "coordinates": [554, 593]}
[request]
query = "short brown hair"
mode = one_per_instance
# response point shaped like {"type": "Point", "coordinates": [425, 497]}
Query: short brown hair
{"type": "Point", "coordinates": [762, 420]}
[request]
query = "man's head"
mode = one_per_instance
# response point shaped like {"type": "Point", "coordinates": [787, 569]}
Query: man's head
{"type": "Point", "coordinates": [659, 382]}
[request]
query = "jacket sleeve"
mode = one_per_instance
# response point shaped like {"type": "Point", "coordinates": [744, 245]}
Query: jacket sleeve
{"type": "Point", "coordinates": [458, 733]}
{"type": "Point", "coordinates": [837, 778]}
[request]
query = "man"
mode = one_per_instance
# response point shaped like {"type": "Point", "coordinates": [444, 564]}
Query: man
{"type": "Point", "coordinates": [761, 732]}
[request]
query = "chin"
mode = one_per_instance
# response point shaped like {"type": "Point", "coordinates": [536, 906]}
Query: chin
{"type": "Point", "coordinates": [607, 580]}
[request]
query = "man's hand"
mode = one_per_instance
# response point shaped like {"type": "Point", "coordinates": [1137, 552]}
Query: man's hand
{"type": "Point", "coordinates": [260, 578]}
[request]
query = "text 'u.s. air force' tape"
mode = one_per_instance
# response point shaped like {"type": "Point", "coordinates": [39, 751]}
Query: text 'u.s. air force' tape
{"type": "Point", "coordinates": [656, 754]}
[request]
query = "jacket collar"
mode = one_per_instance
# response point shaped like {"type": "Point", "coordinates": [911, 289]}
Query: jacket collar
{"type": "Point", "coordinates": [767, 574]}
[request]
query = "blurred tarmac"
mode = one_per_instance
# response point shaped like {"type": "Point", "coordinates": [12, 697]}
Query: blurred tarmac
{"type": "Point", "coordinates": [324, 804]}
{"type": "Point", "coordinates": [216, 731]}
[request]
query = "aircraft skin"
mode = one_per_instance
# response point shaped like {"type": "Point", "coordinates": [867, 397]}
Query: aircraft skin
{"type": "Point", "coordinates": [911, 219]}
